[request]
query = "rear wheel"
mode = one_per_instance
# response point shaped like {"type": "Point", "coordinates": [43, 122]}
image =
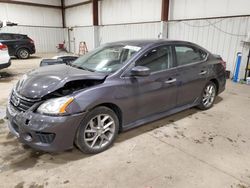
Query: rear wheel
{"type": "Point", "coordinates": [97, 131]}
{"type": "Point", "coordinates": [23, 53]}
{"type": "Point", "coordinates": [208, 96]}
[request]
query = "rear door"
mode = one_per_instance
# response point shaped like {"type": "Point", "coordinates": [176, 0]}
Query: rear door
{"type": "Point", "coordinates": [192, 67]}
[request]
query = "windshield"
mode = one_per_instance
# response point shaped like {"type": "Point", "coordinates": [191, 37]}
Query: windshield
{"type": "Point", "coordinates": [106, 59]}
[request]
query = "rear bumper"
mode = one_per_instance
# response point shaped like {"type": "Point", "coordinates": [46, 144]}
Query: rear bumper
{"type": "Point", "coordinates": [222, 82]}
{"type": "Point", "coordinates": [32, 50]}
{"type": "Point", "coordinates": [47, 133]}
{"type": "Point", "coordinates": [5, 65]}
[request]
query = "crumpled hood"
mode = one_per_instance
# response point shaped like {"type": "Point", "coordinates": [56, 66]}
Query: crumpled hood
{"type": "Point", "coordinates": [45, 80]}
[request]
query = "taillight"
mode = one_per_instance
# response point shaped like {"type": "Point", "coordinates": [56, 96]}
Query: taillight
{"type": "Point", "coordinates": [223, 64]}
{"type": "Point", "coordinates": [3, 47]}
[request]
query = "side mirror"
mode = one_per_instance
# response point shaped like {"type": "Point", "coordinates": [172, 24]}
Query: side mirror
{"type": "Point", "coordinates": [140, 71]}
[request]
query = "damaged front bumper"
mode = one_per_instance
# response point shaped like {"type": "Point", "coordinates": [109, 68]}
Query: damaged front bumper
{"type": "Point", "coordinates": [47, 133]}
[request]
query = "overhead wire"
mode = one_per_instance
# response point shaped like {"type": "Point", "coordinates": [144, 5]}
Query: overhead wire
{"type": "Point", "coordinates": [232, 34]}
{"type": "Point", "coordinates": [206, 25]}
{"type": "Point", "coordinates": [213, 24]}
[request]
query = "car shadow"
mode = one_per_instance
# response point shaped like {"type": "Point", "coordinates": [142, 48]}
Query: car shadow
{"type": "Point", "coordinates": [6, 76]}
{"type": "Point", "coordinates": [20, 157]}
{"type": "Point", "coordinates": [166, 121]}
{"type": "Point", "coordinates": [218, 99]}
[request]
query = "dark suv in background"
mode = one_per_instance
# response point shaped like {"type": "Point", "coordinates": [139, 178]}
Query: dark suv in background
{"type": "Point", "coordinates": [19, 45]}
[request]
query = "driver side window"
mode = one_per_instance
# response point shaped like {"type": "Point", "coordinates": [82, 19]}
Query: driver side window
{"type": "Point", "coordinates": [157, 59]}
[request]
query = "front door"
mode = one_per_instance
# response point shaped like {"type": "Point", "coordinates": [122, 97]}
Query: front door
{"type": "Point", "coordinates": [157, 92]}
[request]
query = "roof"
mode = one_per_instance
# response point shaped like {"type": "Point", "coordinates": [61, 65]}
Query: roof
{"type": "Point", "coordinates": [12, 34]}
{"type": "Point", "coordinates": [149, 43]}
{"type": "Point", "coordinates": [144, 42]}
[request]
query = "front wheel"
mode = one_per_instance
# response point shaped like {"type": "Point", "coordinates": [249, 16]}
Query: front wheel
{"type": "Point", "coordinates": [97, 131]}
{"type": "Point", "coordinates": [208, 96]}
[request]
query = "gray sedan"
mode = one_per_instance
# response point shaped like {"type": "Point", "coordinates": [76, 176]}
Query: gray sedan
{"type": "Point", "coordinates": [116, 87]}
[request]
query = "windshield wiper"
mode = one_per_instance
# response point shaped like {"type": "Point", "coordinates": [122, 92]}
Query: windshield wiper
{"type": "Point", "coordinates": [79, 67]}
{"type": "Point", "coordinates": [85, 68]}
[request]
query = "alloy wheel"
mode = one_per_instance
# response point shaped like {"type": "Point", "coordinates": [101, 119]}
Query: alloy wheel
{"type": "Point", "coordinates": [99, 131]}
{"type": "Point", "coordinates": [24, 54]}
{"type": "Point", "coordinates": [209, 95]}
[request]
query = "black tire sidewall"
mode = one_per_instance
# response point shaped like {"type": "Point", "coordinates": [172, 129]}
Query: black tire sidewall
{"type": "Point", "coordinates": [18, 53]}
{"type": "Point", "coordinates": [201, 105]}
{"type": "Point", "coordinates": [79, 138]}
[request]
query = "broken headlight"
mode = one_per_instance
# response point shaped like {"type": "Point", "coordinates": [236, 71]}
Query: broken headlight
{"type": "Point", "coordinates": [55, 106]}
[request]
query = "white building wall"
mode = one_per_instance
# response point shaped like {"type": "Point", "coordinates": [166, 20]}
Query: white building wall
{"type": "Point", "coordinates": [112, 33]}
{"type": "Point", "coordinates": [188, 9]}
{"type": "Point", "coordinates": [222, 36]}
{"type": "Point", "coordinates": [79, 20]}
{"type": "Point", "coordinates": [129, 11]}
{"type": "Point", "coordinates": [31, 15]}
{"type": "Point", "coordinates": [45, 39]}
{"type": "Point", "coordinates": [47, 2]}
{"type": "Point", "coordinates": [114, 16]}
{"type": "Point", "coordinates": [43, 25]}
{"type": "Point", "coordinates": [81, 34]}
{"type": "Point", "coordinates": [72, 2]}
{"type": "Point", "coordinates": [79, 16]}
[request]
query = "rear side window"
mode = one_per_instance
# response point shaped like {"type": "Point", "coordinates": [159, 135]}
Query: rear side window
{"type": "Point", "coordinates": [157, 59]}
{"type": "Point", "coordinates": [186, 55]}
{"type": "Point", "coordinates": [18, 37]}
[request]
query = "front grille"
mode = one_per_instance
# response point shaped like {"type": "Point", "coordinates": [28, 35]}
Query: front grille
{"type": "Point", "coordinates": [46, 138]}
{"type": "Point", "coordinates": [21, 104]}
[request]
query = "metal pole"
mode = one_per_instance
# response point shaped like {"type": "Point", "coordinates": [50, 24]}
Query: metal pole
{"type": "Point", "coordinates": [248, 57]}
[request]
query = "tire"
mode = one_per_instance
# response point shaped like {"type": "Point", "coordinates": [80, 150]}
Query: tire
{"type": "Point", "coordinates": [93, 138]}
{"type": "Point", "coordinates": [23, 53]}
{"type": "Point", "coordinates": [208, 96]}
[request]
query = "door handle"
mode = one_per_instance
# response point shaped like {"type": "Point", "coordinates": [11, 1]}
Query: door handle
{"type": "Point", "coordinates": [170, 81]}
{"type": "Point", "coordinates": [203, 72]}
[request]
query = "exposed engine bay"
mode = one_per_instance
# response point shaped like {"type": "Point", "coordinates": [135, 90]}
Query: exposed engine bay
{"type": "Point", "coordinates": [73, 86]}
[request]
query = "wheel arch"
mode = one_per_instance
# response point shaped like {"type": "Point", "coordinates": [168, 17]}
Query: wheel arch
{"type": "Point", "coordinates": [116, 109]}
{"type": "Point", "coordinates": [22, 47]}
{"type": "Point", "coordinates": [215, 81]}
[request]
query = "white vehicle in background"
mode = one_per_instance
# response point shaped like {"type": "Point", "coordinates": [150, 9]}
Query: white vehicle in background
{"type": "Point", "coordinates": [4, 53]}
{"type": "Point", "coordinates": [4, 56]}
